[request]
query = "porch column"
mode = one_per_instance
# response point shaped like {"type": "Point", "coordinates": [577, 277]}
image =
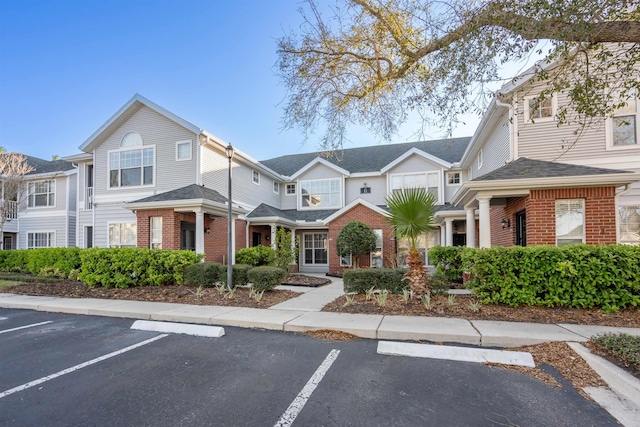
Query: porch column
{"type": "Point", "coordinates": [274, 229]}
{"type": "Point", "coordinates": [449, 231]}
{"type": "Point", "coordinates": [485, 221]}
{"type": "Point", "coordinates": [199, 232]}
{"type": "Point", "coordinates": [443, 236]}
{"type": "Point", "coordinates": [471, 227]}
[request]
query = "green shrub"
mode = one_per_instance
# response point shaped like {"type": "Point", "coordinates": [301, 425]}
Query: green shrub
{"type": "Point", "coordinates": [362, 279]}
{"type": "Point", "coordinates": [578, 276]}
{"type": "Point", "coordinates": [202, 274]}
{"type": "Point", "coordinates": [285, 253]}
{"type": "Point", "coordinates": [45, 260]}
{"type": "Point", "coordinates": [240, 274]}
{"type": "Point", "coordinates": [52, 272]}
{"type": "Point", "coordinates": [125, 267]}
{"type": "Point", "coordinates": [256, 256]}
{"type": "Point", "coordinates": [448, 261]}
{"type": "Point", "coordinates": [266, 278]}
{"type": "Point", "coordinates": [624, 347]}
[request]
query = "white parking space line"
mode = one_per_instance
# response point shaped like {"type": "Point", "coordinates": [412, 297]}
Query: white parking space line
{"type": "Point", "coordinates": [80, 366]}
{"type": "Point", "coordinates": [4, 318]}
{"type": "Point", "coordinates": [298, 403]}
{"type": "Point", "coordinates": [179, 328]}
{"type": "Point", "coordinates": [25, 327]}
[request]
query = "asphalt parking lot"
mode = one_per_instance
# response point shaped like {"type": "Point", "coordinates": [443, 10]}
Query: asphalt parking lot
{"type": "Point", "coordinates": [85, 370]}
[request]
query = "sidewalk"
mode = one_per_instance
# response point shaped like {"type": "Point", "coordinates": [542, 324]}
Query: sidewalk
{"type": "Point", "coordinates": [303, 313]}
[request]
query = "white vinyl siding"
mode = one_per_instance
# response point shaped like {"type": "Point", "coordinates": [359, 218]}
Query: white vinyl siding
{"type": "Point", "coordinates": [570, 227]}
{"type": "Point", "coordinates": [376, 184]}
{"type": "Point", "coordinates": [55, 221]}
{"type": "Point", "coordinates": [495, 150]}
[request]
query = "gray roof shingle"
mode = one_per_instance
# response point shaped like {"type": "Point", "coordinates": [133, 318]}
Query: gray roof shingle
{"type": "Point", "coordinates": [373, 158]}
{"type": "Point", "coordinates": [47, 166]}
{"type": "Point", "coordinates": [264, 210]}
{"type": "Point", "coordinates": [190, 192]}
{"type": "Point", "coordinates": [524, 168]}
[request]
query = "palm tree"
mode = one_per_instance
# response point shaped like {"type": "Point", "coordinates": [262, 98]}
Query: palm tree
{"type": "Point", "coordinates": [411, 213]}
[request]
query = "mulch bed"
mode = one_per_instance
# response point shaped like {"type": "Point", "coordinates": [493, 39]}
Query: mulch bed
{"type": "Point", "coordinates": [462, 309]}
{"type": "Point", "coordinates": [295, 279]}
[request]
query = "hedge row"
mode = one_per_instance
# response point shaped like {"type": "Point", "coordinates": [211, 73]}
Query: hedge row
{"type": "Point", "coordinates": [209, 273]}
{"type": "Point", "coordinates": [60, 262]}
{"type": "Point", "coordinates": [580, 276]}
{"type": "Point", "coordinates": [125, 267]}
{"type": "Point", "coordinates": [362, 279]}
{"type": "Point", "coordinates": [448, 261]}
{"type": "Point", "coordinates": [266, 278]}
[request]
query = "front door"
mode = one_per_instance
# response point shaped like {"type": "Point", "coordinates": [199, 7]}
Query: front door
{"type": "Point", "coordinates": [187, 236]}
{"type": "Point", "coordinates": [521, 228]}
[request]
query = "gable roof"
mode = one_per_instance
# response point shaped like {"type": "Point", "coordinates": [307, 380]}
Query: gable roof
{"type": "Point", "coordinates": [372, 158]}
{"type": "Point", "coordinates": [124, 113]}
{"type": "Point", "coordinates": [47, 166]}
{"type": "Point", "coordinates": [190, 192]}
{"type": "Point", "coordinates": [525, 168]}
{"type": "Point", "coordinates": [310, 215]}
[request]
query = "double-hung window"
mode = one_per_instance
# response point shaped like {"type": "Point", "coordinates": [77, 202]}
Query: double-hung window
{"type": "Point", "coordinates": [123, 235]}
{"type": "Point", "coordinates": [430, 181]}
{"type": "Point", "coordinates": [623, 130]}
{"type": "Point", "coordinates": [570, 228]}
{"type": "Point", "coordinates": [376, 256]}
{"type": "Point", "coordinates": [629, 222]}
{"type": "Point", "coordinates": [322, 193]}
{"type": "Point", "coordinates": [42, 194]}
{"type": "Point", "coordinates": [156, 232]}
{"type": "Point", "coordinates": [131, 167]}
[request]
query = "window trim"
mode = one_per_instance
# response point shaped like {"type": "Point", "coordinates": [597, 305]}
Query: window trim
{"type": "Point", "coordinates": [50, 192]}
{"type": "Point", "coordinates": [609, 129]}
{"type": "Point", "coordinates": [276, 187]}
{"type": "Point", "coordinates": [129, 187]}
{"type": "Point", "coordinates": [110, 223]}
{"type": "Point", "coordinates": [326, 243]}
{"type": "Point", "coordinates": [453, 184]}
{"type": "Point", "coordinates": [584, 215]}
{"type": "Point", "coordinates": [426, 173]}
{"type": "Point", "coordinates": [527, 111]}
{"type": "Point", "coordinates": [341, 193]}
{"type": "Point", "coordinates": [52, 238]}
{"type": "Point", "coordinates": [178, 143]}
{"type": "Point", "coordinates": [286, 191]}
{"type": "Point", "coordinates": [253, 177]}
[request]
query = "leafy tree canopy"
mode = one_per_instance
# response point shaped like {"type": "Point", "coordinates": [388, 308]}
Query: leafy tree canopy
{"type": "Point", "coordinates": [372, 62]}
{"type": "Point", "coordinates": [355, 238]}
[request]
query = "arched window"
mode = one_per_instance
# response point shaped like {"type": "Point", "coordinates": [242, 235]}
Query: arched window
{"type": "Point", "coordinates": [131, 139]}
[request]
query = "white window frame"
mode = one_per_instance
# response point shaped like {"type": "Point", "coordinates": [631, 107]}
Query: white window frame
{"type": "Point", "coordinates": [380, 234]}
{"type": "Point", "coordinates": [527, 110]}
{"type": "Point", "coordinates": [255, 177]}
{"type": "Point", "coordinates": [426, 176]}
{"type": "Point", "coordinates": [155, 239]}
{"type": "Point", "coordinates": [301, 206]}
{"type": "Point", "coordinates": [185, 142]}
{"type": "Point", "coordinates": [289, 186]}
{"type": "Point", "coordinates": [51, 239]}
{"type": "Point", "coordinates": [51, 191]}
{"type": "Point", "coordinates": [609, 126]}
{"type": "Point", "coordinates": [453, 174]}
{"type": "Point", "coordinates": [584, 226]}
{"type": "Point", "coordinates": [276, 187]}
{"type": "Point", "coordinates": [120, 245]}
{"type": "Point", "coordinates": [313, 248]}
{"type": "Point", "coordinates": [621, 222]}
{"type": "Point", "coordinates": [121, 150]}
{"type": "Point", "coordinates": [480, 159]}
{"type": "Point", "coordinates": [346, 261]}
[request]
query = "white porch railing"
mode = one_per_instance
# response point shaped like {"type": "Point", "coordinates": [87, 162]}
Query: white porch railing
{"type": "Point", "coordinates": [12, 211]}
{"type": "Point", "coordinates": [88, 199]}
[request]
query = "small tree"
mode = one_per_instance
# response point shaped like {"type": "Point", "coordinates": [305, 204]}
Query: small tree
{"type": "Point", "coordinates": [354, 239]}
{"type": "Point", "coordinates": [13, 168]}
{"type": "Point", "coordinates": [285, 252]}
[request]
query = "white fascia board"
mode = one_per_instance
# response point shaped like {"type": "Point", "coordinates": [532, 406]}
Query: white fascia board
{"type": "Point", "coordinates": [75, 158]}
{"type": "Point", "coordinates": [415, 151]}
{"type": "Point", "coordinates": [507, 185]}
{"type": "Point", "coordinates": [129, 108]}
{"type": "Point", "coordinates": [44, 175]}
{"type": "Point", "coordinates": [266, 220]}
{"type": "Point", "coordinates": [365, 174]}
{"type": "Point", "coordinates": [452, 214]}
{"type": "Point", "coordinates": [356, 202]}
{"type": "Point", "coordinates": [320, 161]}
{"type": "Point", "coordinates": [183, 204]}
{"type": "Point", "coordinates": [221, 144]}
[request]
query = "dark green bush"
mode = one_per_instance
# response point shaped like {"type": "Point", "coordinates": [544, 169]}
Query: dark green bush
{"type": "Point", "coordinates": [448, 261]}
{"type": "Point", "coordinates": [266, 278]}
{"type": "Point", "coordinates": [578, 276]}
{"type": "Point", "coordinates": [202, 273]}
{"type": "Point", "coordinates": [256, 256]}
{"type": "Point", "coordinates": [125, 267]}
{"type": "Point", "coordinates": [240, 274]}
{"type": "Point", "coordinates": [362, 279]}
{"type": "Point", "coordinates": [623, 347]}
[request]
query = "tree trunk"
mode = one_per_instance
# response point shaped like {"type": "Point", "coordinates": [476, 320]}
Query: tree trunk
{"type": "Point", "coordinates": [416, 276]}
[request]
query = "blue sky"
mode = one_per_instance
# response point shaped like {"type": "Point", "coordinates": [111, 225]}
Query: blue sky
{"type": "Point", "coordinates": [66, 66]}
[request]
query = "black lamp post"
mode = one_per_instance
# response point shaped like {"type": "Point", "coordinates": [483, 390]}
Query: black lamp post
{"type": "Point", "coordinates": [229, 150]}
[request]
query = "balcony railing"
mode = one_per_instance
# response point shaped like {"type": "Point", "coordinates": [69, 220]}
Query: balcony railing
{"type": "Point", "coordinates": [88, 199]}
{"type": "Point", "coordinates": [12, 211]}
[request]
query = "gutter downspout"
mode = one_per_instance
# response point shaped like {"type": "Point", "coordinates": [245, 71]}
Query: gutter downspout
{"type": "Point", "coordinates": [513, 124]}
